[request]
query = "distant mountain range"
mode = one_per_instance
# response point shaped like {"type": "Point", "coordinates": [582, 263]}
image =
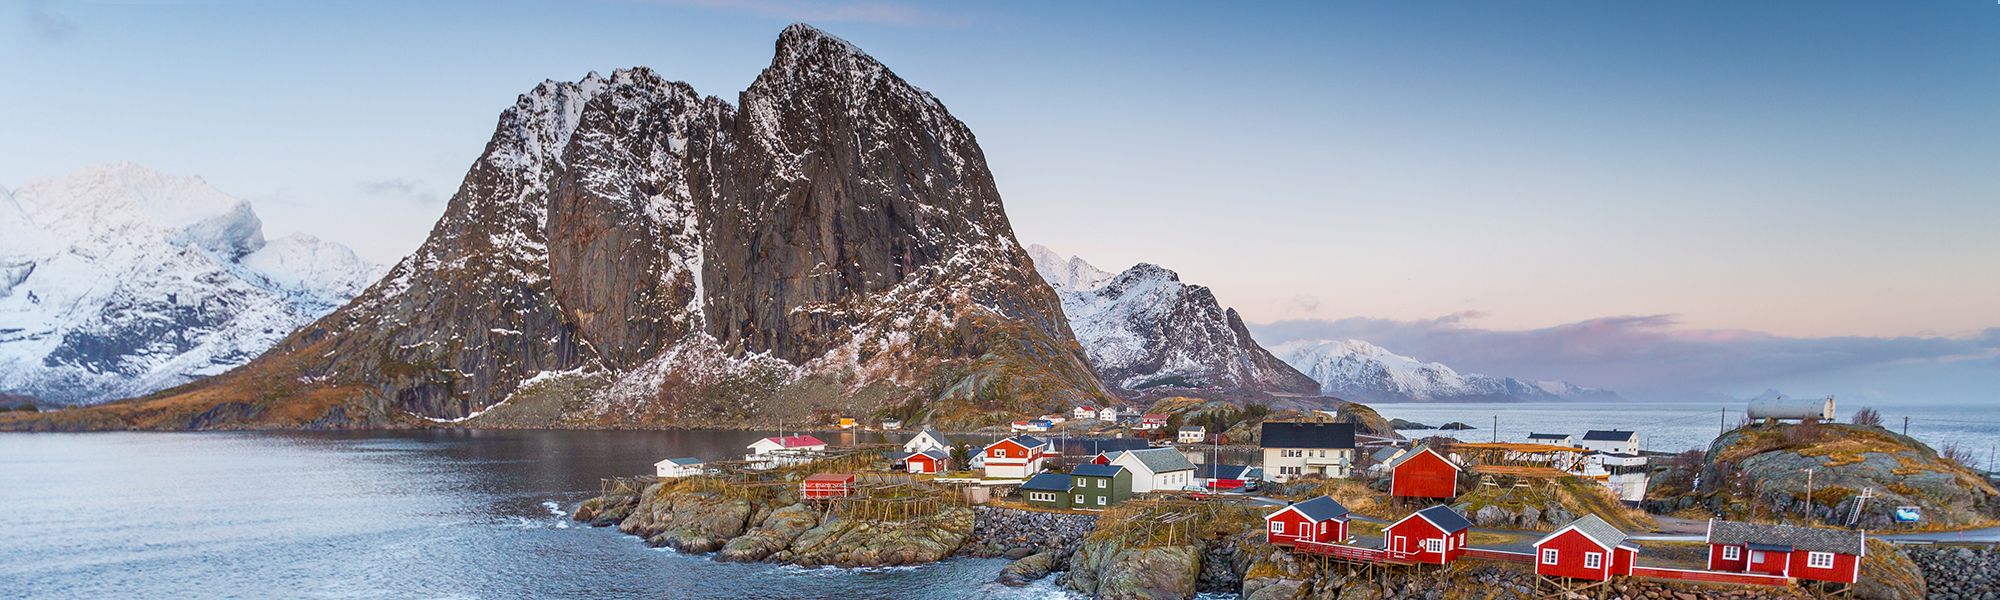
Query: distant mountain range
{"type": "Point", "coordinates": [1363, 372]}
{"type": "Point", "coordinates": [117, 281]}
{"type": "Point", "coordinates": [1148, 333]}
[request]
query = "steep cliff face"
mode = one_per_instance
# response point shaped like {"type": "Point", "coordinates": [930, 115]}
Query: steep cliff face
{"type": "Point", "coordinates": [834, 239]}
{"type": "Point", "coordinates": [1146, 332]}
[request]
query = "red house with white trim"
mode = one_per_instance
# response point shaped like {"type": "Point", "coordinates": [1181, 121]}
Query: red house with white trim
{"type": "Point", "coordinates": [1321, 519]}
{"type": "Point", "coordinates": [931, 461]}
{"type": "Point", "coordinates": [1434, 535]}
{"type": "Point", "coordinates": [1018, 457]}
{"type": "Point", "coordinates": [822, 486]}
{"type": "Point", "coordinates": [1423, 473]}
{"type": "Point", "coordinates": [1812, 553]}
{"type": "Point", "coordinates": [1587, 548]}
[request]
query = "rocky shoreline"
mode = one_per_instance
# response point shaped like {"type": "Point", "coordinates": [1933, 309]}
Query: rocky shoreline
{"type": "Point", "coordinates": [1959, 572]}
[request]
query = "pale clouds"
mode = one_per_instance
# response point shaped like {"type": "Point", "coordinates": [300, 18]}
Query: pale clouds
{"type": "Point", "coordinates": [1653, 357]}
{"type": "Point", "coordinates": [402, 189]}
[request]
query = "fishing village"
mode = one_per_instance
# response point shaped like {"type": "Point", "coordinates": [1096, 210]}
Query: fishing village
{"type": "Point", "coordinates": [1190, 497]}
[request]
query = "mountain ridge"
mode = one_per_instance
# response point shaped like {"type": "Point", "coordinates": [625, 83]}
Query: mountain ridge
{"type": "Point", "coordinates": [1363, 372]}
{"type": "Point", "coordinates": [626, 252]}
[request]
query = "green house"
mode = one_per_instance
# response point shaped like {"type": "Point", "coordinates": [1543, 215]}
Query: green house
{"type": "Point", "coordinates": [1047, 490]}
{"type": "Point", "coordinates": [1099, 486]}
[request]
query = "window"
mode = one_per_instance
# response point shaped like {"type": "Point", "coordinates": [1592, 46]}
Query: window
{"type": "Point", "coordinates": [1277, 527]}
{"type": "Point", "coordinates": [1757, 556]}
{"type": "Point", "coordinates": [1100, 483]}
{"type": "Point", "coordinates": [1322, 526]}
{"type": "Point", "coordinates": [1592, 560]}
{"type": "Point", "coordinates": [1819, 560]}
{"type": "Point", "coordinates": [1732, 553]}
{"type": "Point", "coordinates": [1100, 501]}
{"type": "Point", "coordinates": [1434, 545]}
{"type": "Point", "coordinates": [998, 453]}
{"type": "Point", "coordinates": [1079, 498]}
{"type": "Point", "coordinates": [1550, 556]}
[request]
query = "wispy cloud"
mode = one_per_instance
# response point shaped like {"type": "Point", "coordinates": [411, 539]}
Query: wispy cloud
{"type": "Point", "coordinates": [876, 12]}
{"type": "Point", "coordinates": [46, 26]}
{"type": "Point", "coordinates": [405, 189]}
{"type": "Point", "coordinates": [1648, 354]}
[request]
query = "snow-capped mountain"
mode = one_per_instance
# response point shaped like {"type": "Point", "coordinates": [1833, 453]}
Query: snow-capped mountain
{"type": "Point", "coordinates": [626, 251]}
{"type": "Point", "coordinates": [1145, 331]}
{"type": "Point", "coordinates": [117, 280]}
{"type": "Point", "coordinates": [1363, 372]}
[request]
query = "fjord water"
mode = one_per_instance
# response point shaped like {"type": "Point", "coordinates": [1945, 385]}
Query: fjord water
{"type": "Point", "coordinates": [427, 514]}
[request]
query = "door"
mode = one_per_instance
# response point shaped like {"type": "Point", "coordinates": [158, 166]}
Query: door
{"type": "Point", "coordinates": [1401, 545]}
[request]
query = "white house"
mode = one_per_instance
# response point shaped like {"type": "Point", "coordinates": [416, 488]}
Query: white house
{"type": "Point", "coordinates": [1615, 441]}
{"type": "Point", "coordinates": [928, 439]}
{"type": "Point", "coordinates": [891, 424]}
{"type": "Point", "coordinates": [1032, 425]}
{"type": "Point", "coordinates": [1083, 412]}
{"type": "Point", "coordinates": [677, 467]}
{"type": "Point", "coordinates": [1054, 418]}
{"type": "Point", "coordinates": [1153, 469]}
{"type": "Point", "coordinates": [1107, 414]}
{"type": "Point", "coordinates": [1293, 450]}
{"type": "Point", "coordinates": [1192, 434]}
{"type": "Point", "coordinates": [785, 450]}
{"type": "Point", "coordinates": [1552, 439]}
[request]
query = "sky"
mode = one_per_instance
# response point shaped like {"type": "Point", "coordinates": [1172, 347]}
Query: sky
{"type": "Point", "coordinates": [1634, 194]}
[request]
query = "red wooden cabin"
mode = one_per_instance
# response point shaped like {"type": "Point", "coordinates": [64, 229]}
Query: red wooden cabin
{"type": "Point", "coordinates": [1423, 473]}
{"type": "Point", "coordinates": [822, 486]}
{"type": "Point", "coordinates": [1434, 535]}
{"type": "Point", "coordinates": [1320, 519]}
{"type": "Point", "coordinates": [1811, 553]}
{"type": "Point", "coordinates": [1587, 548]}
{"type": "Point", "coordinates": [931, 461]}
{"type": "Point", "coordinates": [1019, 457]}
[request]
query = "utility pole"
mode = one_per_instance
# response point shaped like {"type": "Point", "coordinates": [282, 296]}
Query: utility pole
{"type": "Point", "coordinates": [1906, 427]}
{"type": "Point", "coordinates": [1722, 425]}
{"type": "Point", "coordinates": [1496, 429]}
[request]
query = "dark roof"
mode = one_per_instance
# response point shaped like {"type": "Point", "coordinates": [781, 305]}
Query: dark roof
{"type": "Point", "coordinates": [1024, 440]}
{"type": "Point", "coordinates": [684, 461]}
{"type": "Point", "coordinates": [1220, 471]}
{"type": "Point", "coordinates": [1307, 435]}
{"type": "Point", "coordinates": [1547, 436]}
{"type": "Point", "coordinates": [1445, 518]}
{"type": "Point", "coordinates": [1322, 508]}
{"type": "Point", "coordinates": [1594, 528]}
{"type": "Point", "coordinates": [934, 453]}
{"type": "Point", "coordinates": [1096, 470]}
{"type": "Point", "coordinates": [1615, 435]}
{"type": "Point", "coordinates": [1769, 547]}
{"type": "Point", "coordinates": [1047, 482]}
{"type": "Point", "coordinates": [1812, 539]}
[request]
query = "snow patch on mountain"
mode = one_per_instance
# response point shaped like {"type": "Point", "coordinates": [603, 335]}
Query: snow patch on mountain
{"type": "Point", "coordinates": [118, 280]}
{"type": "Point", "coordinates": [1363, 372]}
{"type": "Point", "coordinates": [1144, 329]}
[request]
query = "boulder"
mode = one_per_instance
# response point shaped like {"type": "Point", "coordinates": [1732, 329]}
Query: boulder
{"type": "Point", "coordinates": [778, 531]}
{"type": "Point", "coordinates": [1028, 569]}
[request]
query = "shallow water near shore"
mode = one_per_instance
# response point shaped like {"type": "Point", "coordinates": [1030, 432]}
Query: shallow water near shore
{"type": "Point", "coordinates": [421, 514]}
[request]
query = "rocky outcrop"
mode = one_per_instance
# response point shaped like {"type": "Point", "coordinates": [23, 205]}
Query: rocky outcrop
{"type": "Point", "coordinates": [1017, 533]}
{"type": "Point", "coordinates": [1029, 568]}
{"type": "Point", "coordinates": [689, 522]}
{"type": "Point", "coordinates": [1110, 570]}
{"type": "Point", "coordinates": [774, 534]}
{"type": "Point", "coordinates": [845, 542]}
{"type": "Point", "coordinates": [832, 238]}
{"type": "Point", "coordinates": [1956, 572]}
{"type": "Point", "coordinates": [1765, 467]}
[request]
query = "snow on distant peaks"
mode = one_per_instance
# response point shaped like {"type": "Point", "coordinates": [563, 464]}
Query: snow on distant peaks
{"type": "Point", "coordinates": [1361, 371]}
{"type": "Point", "coordinates": [1071, 273]}
{"type": "Point", "coordinates": [118, 280]}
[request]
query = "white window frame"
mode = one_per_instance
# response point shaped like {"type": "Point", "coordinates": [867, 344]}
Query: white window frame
{"type": "Point", "coordinates": [1819, 560]}
{"type": "Point", "coordinates": [1100, 501]}
{"type": "Point", "coordinates": [1100, 484]}
{"type": "Point", "coordinates": [1435, 545]}
{"type": "Point", "coordinates": [999, 453]}
{"type": "Point", "coordinates": [1732, 553]}
{"type": "Point", "coordinates": [1593, 560]}
{"type": "Point", "coordinates": [1551, 556]}
{"type": "Point", "coordinates": [1277, 526]}
{"type": "Point", "coordinates": [1079, 498]}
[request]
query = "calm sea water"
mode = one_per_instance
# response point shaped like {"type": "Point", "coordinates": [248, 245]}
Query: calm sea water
{"type": "Point", "coordinates": [1681, 426]}
{"type": "Point", "coordinates": [378, 515]}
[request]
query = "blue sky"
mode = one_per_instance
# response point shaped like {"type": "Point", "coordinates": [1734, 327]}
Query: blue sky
{"type": "Point", "coordinates": [1803, 170]}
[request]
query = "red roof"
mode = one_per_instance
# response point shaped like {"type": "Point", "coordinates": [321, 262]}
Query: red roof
{"type": "Point", "coordinates": [830, 478]}
{"type": "Point", "coordinates": [1155, 417]}
{"type": "Point", "coordinates": [795, 441]}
